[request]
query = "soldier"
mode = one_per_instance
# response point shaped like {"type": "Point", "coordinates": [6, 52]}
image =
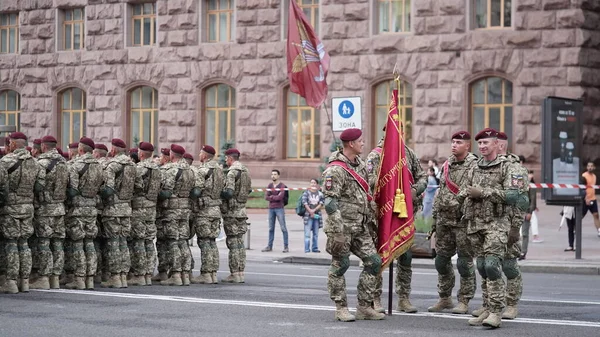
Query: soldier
{"type": "Point", "coordinates": [451, 229]}
{"type": "Point", "coordinates": [492, 185]}
{"type": "Point", "coordinates": [143, 217]}
{"type": "Point", "coordinates": [117, 192]}
{"type": "Point", "coordinates": [49, 220]}
{"type": "Point", "coordinates": [161, 244]}
{"type": "Point", "coordinates": [347, 203]}
{"type": "Point", "coordinates": [100, 153]}
{"type": "Point", "coordinates": [26, 180]}
{"type": "Point", "coordinates": [133, 153]}
{"type": "Point", "coordinates": [207, 223]}
{"type": "Point", "coordinates": [238, 186]}
{"type": "Point", "coordinates": [165, 156]}
{"type": "Point", "coordinates": [73, 150]}
{"type": "Point", "coordinates": [36, 149]}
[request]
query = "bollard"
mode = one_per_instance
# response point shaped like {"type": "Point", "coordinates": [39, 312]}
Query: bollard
{"type": "Point", "coordinates": [247, 236]}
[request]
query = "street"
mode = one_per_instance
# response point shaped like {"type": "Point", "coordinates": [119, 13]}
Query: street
{"type": "Point", "coordinates": [288, 300]}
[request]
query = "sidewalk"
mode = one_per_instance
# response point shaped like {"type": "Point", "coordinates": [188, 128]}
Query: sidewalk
{"type": "Point", "coordinates": [546, 257]}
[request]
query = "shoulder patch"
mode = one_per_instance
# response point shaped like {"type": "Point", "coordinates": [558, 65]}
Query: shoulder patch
{"type": "Point", "coordinates": [517, 180]}
{"type": "Point", "coordinates": [328, 182]}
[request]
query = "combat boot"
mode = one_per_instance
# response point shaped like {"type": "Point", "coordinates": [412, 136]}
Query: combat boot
{"type": "Point", "coordinates": [148, 279]}
{"type": "Point", "coordinates": [174, 280]}
{"type": "Point", "coordinates": [460, 308]}
{"type": "Point", "coordinates": [105, 277]}
{"type": "Point", "coordinates": [113, 282]}
{"type": "Point", "coordinates": [137, 281]}
{"type": "Point", "coordinates": [377, 305]}
{"type": "Point", "coordinates": [479, 320]}
{"type": "Point", "coordinates": [366, 312]}
{"type": "Point", "coordinates": [185, 278]}
{"type": "Point", "coordinates": [10, 287]}
{"type": "Point", "coordinates": [493, 320]}
{"type": "Point", "coordinates": [42, 283]}
{"type": "Point", "coordinates": [2, 280]}
{"type": "Point", "coordinates": [242, 277]}
{"type": "Point", "coordinates": [89, 283]}
{"type": "Point", "coordinates": [478, 312]}
{"type": "Point", "coordinates": [68, 278]}
{"type": "Point", "coordinates": [405, 305]}
{"type": "Point", "coordinates": [342, 314]}
{"type": "Point", "coordinates": [232, 278]}
{"type": "Point", "coordinates": [24, 285]}
{"type": "Point", "coordinates": [123, 280]}
{"type": "Point", "coordinates": [162, 276]}
{"type": "Point", "coordinates": [213, 275]}
{"type": "Point", "coordinates": [204, 278]}
{"type": "Point", "coordinates": [78, 283]}
{"type": "Point", "coordinates": [510, 312]}
{"type": "Point", "coordinates": [442, 304]}
{"type": "Point", "coordinates": [54, 282]}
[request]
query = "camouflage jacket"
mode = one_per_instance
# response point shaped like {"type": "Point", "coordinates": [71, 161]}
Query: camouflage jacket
{"type": "Point", "coordinates": [21, 179]}
{"type": "Point", "coordinates": [141, 183]}
{"type": "Point", "coordinates": [80, 205]}
{"type": "Point", "coordinates": [116, 207]}
{"type": "Point", "coordinates": [235, 207]}
{"type": "Point", "coordinates": [447, 207]}
{"type": "Point", "coordinates": [171, 184]}
{"type": "Point", "coordinates": [48, 206]}
{"type": "Point", "coordinates": [516, 215]}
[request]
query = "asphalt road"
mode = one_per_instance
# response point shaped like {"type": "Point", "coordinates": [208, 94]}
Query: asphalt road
{"type": "Point", "coordinates": [287, 300]}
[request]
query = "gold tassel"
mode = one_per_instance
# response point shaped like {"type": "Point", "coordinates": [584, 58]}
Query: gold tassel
{"type": "Point", "coordinates": [400, 205]}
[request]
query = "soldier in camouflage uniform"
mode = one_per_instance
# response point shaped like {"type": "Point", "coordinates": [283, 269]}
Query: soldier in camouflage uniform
{"type": "Point", "coordinates": [26, 180]}
{"type": "Point", "coordinates": [36, 148]}
{"type": "Point", "coordinates": [349, 210]}
{"type": "Point", "coordinates": [207, 223]}
{"type": "Point", "coordinates": [117, 192]}
{"type": "Point", "coordinates": [492, 186]}
{"type": "Point", "coordinates": [173, 217]}
{"type": "Point", "coordinates": [49, 219]}
{"type": "Point", "coordinates": [238, 185]}
{"type": "Point", "coordinates": [100, 153]}
{"type": "Point", "coordinates": [161, 244]}
{"type": "Point", "coordinates": [451, 229]}
{"type": "Point", "coordinates": [3, 200]}
{"type": "Point", "coordinates": [143, 217]}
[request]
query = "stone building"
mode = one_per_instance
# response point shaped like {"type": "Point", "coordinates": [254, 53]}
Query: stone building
{"type": "Point", "coordinates": [199, 72]}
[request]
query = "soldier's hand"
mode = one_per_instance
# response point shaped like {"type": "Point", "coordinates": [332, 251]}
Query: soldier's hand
{"type": "Point", "coordinates": [513, 235]}
{"type": "Point", "coordinates": [413, 192]}
{"type": "Point", "coordinates": [337, 243]}
{"type": "Point", "coordinates": [474, 192]}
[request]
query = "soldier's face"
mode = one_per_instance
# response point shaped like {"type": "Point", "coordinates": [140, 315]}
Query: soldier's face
{"type": "Point", "coordinates": [487, 146]}
{"type": "Point", "coordinates": [459, 147]}
{"type": "Point", "coordinates": [228, 160]}
{"type": "Point", "coordinates": [358, 145]}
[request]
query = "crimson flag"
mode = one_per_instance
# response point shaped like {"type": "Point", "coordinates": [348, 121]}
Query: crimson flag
{"type": "Point", "coordinates": [307, 60]}
{"type": "Point", "coordinates": [393, 192]}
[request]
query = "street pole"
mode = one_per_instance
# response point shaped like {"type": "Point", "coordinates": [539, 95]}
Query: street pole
{"type": "Point", "coordinates": [391, 289]}
{"type": "Point", "coordinates": [578, 217]}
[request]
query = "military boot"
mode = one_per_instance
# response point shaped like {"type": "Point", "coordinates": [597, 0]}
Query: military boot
{"type": "Point", "coordinates": [364, 311]}
{"type": "Point", "coordinates": [185, 278]}
{"type": "Point", "coordinates": [479, 320]}
{"type": "Point", "coordinates": [204, 278]}
{"type": "Point", "coordinates": [493, 320]}
{"type": "Point", "coordinates": [174, 280]}
{"type": "Point", "coordinates": [78, 283]}
{"type": "Point", "coordinates": [113, 282]}
{"type": "Point", "coordinates": [54, 282]}
{"type": "Point", "coordinates": [213, 275]}
{"type": "Point", "coordinates": [442, 304]}
{"type": "Point", "coordinates": [137, 281]}
{"type": "Point", "coordinates": [105, 277]}
{"type": "Point", "coordinates": [510, 312]}
{"type": "Point", "coordinates": [2, 280]}
{"type": "Point", "coordinates": [405, 305]}
{"type": "Point", "coordinates": [342, 313]}
{"type": "Point", "coordinates": [148, 279]}
{"type": "Point", "coordinates": [24, 285]}
{"type": "Point", "coordinates": [162, 276]}
{"type": "Point", "coordinates": [89, 283]}
{"type": "Point", "coordinates": [123, 280]}
{"type": "Point", "coordinates": [10, 287]}
{"type": "Point", "coordinates": [478, 312]}
{"type": "Point", "coordinates": [377, 305]}
{"type": "Point", "coordinates": [41, 283]}
{"type": "Point", "coordinates": [233, 278]}
{"type": "Point", "coordinates": [460, 308]}
{"type": "Point", "coordinates": [68, 278]}
{"type": "Point", "coordinates": [242, 277]}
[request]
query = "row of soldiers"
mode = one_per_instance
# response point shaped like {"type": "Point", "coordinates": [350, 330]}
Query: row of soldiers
{"type": "Point", "coordinates": [96, 217]}
{"type": "Point", "coordinates": [482, 203]}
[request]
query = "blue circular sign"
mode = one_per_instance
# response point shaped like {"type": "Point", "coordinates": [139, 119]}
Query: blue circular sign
{"type": "Point", "coordinates": [346, 109]}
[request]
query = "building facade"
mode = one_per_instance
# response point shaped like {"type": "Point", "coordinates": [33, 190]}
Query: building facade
{"type": "Point", "coordinates": [197, 72]}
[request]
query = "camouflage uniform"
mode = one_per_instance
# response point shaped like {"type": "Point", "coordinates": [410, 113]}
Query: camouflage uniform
{"type": "Point", "coordinates": [451, 233]}
{"type": "Point", "coordinates": [100, 241]}
{"type": "Point", "coordinates": [234, 218]}
{"type": "Point", "coordinates": [16, 223]}
{"type": "Point", "coordinates": [3, 199]}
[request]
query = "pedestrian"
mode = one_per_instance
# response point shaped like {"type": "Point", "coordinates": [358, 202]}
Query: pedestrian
{"type": "Point", "coordinates": [276, 210]}
{"type": "Point", "coordinates": [430, 192]}
{"type": "Point", "coordinates": [568, 217]}
{"type": "Point", "coordinates": [432, 163]}
{"type": "Point", "coordinates": [313, 201]}
{"type": "Point", "coordinates": [591, 205]}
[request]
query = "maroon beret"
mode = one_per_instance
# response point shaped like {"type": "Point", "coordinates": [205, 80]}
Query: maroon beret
{"type": "Point", "coordinates": [145, 146]}
{"type": "Point", "coordinates": [133, 150]}
{"type": "Point", "coordinates": [59, 151]}
{"type": "Point", "coordinates": [502, 136]}
{"type": "Point", "coordinates": [464, 135]}
{"type": "Point", "coordinates": [73, 145]}
{"type": "Point", "coordinates": [18, 135]}
{"type": "Point", "coordinates": [28, 148]}
{"type": "Point", "coordinates": [232, 151]}
{"type": "Point", "coordinates": [48, 139]}
{"type": "Point", "coordinates": [486, 133]}
{"type": "Point", "coordinates": [87, 141]}
{"type": "Point", "coordinates": [116, 142]}
{"type": "Point", "coordinates": [177, 149]}
{"type": "Point", "coordinates": [209, 149]}
{"type": "Point", "coordinates": [188, 156]}
{"type": "Point", "coordinates": [100, 147]}
{"type": "Point", "coordinates": [165, 151]}
{"type": "Point", "coordinates": [38, 141]}
{"type": "Point", "coordinates": [66, 156]}
{"type": "Point", "coordinates": [350, 135]}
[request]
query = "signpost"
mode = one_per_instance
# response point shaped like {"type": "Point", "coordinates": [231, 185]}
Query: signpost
{"type": "Point", "coordinates": [347, 113]}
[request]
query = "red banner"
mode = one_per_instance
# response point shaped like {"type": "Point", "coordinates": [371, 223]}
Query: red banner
{"type": "Point", "coordinates": [393, 192]}
{"type": "Point", "coordinates": [307, 60]}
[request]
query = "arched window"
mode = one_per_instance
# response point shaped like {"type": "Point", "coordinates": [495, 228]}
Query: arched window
{"type": "Point", "coordinates": [219, 115]}
{"type": "Point", "coordinates": [10, 107]}
{"type": "Point", "coordinates": [491, 106]}
{"type": "Point", "coordinates": [303, 139]}
{"type": "Point", "coordinates": [72, 115]}
{"type": "Point", "coordinates": [143, 112]}
{"type": "Point", "coordinates": [383, 96]}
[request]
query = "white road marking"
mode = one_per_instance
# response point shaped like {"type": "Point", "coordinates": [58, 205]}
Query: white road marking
{"type": "Point", "coordinates": [302, 306]}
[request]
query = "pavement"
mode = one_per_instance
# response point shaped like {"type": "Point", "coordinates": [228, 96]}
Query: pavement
{"type": "Point", "coordinates": [546, 257]}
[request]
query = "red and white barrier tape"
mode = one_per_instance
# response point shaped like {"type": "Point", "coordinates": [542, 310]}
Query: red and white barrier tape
{"type": "Point", "coordinates": [552, 186]}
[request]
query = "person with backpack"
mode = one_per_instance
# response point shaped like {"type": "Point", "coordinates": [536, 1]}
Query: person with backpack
{"type": "Point", "coordinates": [277, 201]}
{"type": "Point", "coordinates": [312, 202]}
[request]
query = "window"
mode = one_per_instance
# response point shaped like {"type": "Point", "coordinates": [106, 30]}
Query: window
{"type": "Point", "coordinates": [220, 115]}
{"type": "Point", "coordinates": [303, 129]}
{"type": "Point", "coordinates": [491, 106]}
{"type": "Point", "coordinates": [383, 96]}
{"type": "Point", "coordinates": [9, 33]}
{"type": "Point", "coordinates": [143, 24]}
{"type": "Point", "coordinates": [72, 33]}
{"type": "Point", "coordinates": [143, 109]}
{"type": "Point", "coordinates": [72, 115]}
{"type": "Point", "coordinates": [310, 9]}
{"type": "Point", "coordinates": [220, 20]}
{"type": "Point", "coordinates": [10, 106]}
{"type": "Point", "coordinates": [393, 16]}
{"type": "Point", "coordinates": [492, 13]}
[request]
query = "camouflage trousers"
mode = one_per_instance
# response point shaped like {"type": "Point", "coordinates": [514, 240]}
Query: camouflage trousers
{"type": "Point", "coordinates": [404, 275]}
{"type": "Point", "coordinates": [235, 228]}
{"type": "Point", "coordinates": [49, 255]}
{"type": "Point", "coordinates": [82, 255]}
{"type": "Point", "coordinates": [360, 243]}
{"type": "Point", "coordinates": [143, 233]}
{"type": "Point", "coordinates": [205, 229]}
{"type": "Point", "coordinates": [510, 267]}
{"type": "Point", "coordinates": [16, 229]}
{"type": "Point", "coordinates": [449, 241]}
{"type": "Point", "coordinates": [116, 230]}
